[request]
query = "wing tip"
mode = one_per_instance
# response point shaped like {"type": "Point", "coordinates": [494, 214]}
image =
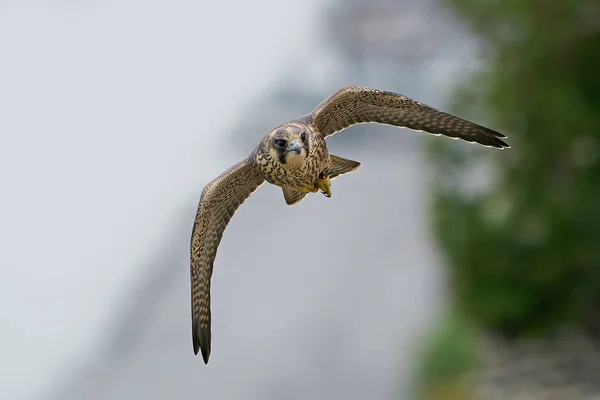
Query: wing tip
{"type": "Point", "coordinates": [205, 355]}
{"type": "Point", "coordinates": [493, 138]}
{"type": "Point", "coordinates": [201, 341]}
{"type": "Point", "coordinates": [487, 141]}
{"type": "Point", "coordinates": [497, 144]}
{"type": "Point", "coordinates": [489, 138]}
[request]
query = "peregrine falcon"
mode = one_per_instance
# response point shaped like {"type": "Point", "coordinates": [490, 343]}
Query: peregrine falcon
{"type": "Point", "coordinates": [294, 156]}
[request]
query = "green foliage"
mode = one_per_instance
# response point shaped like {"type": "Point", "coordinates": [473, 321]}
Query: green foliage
{"type": "Point", "coordinates": [525, 251]}
{"type": "Point", "coordinates": [449, 355]}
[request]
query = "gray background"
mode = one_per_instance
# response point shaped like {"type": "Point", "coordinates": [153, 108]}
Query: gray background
{"type": "Point", "coordinates": [114, 114]}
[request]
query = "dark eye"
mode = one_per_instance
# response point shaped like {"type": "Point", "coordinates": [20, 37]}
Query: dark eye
{"type": "Point", "coordinates": [280, 143]}
{"type": "Point", "coordinates": [303, 137]}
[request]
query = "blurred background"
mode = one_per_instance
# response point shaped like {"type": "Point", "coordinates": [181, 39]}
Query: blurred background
{"type": "Point", "coordinates": [439, 270]}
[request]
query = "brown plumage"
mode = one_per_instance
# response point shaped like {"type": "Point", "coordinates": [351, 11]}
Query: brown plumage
{"type": "Point", "coordinates": [294, 156]}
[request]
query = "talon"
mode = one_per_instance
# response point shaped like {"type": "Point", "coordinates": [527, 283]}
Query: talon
{"type": "Point", "coordinates": [324, 184]}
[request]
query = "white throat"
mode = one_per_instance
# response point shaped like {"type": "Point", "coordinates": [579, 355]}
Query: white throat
{"type": "Point", "coordinates": [295, 159]}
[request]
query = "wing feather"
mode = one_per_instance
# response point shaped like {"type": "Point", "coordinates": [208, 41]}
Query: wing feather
{"type": "Point", "coordinates": [218, 202]}
{"type": "Point", "coordinates": [355, 105]}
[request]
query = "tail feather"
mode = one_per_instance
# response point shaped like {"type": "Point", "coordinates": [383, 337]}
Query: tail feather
{"type": "Point", "coordinates": [293, 196]}
{"type": "Point", "coordinates": [340, 166]}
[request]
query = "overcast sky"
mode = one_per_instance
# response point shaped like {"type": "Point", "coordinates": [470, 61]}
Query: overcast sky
{"type": "Point", "coordinates": [105, 108]}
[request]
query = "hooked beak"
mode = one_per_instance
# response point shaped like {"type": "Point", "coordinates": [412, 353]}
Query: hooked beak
{"type": "Point", "coordinates": [295, 145]}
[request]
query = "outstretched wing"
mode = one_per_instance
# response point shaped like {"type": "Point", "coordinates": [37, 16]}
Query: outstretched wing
{"type": "Point", "coordinates": [355, 105]}
{"type": "Point", "coordinates": [219, 200]}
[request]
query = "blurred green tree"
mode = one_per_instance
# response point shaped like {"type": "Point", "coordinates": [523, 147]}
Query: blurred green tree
{"type": "Point", "coordinates": [524, 246]}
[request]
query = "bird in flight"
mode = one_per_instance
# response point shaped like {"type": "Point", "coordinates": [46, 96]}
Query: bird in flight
{"type": "Point", "coordinates": [294, 156]}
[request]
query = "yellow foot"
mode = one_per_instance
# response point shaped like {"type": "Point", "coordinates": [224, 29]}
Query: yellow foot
{"type": "Point", "coordinates": [309, 189]}
{"type": "Point", "coordinates": [323, 184]}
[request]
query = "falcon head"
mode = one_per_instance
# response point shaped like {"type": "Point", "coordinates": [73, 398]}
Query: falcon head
{"type": "Point", "coordinates": [289, 144]}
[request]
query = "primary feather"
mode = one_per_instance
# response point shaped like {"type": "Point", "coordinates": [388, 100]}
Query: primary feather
{"type": "Point", "coordinates": [356, 104]}
{"type": "Point", "coordinates": [218, 202]}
